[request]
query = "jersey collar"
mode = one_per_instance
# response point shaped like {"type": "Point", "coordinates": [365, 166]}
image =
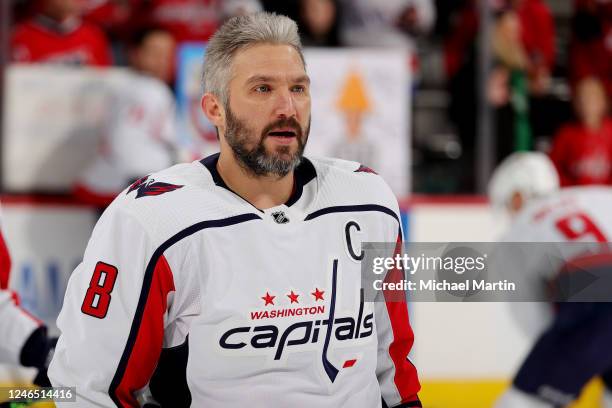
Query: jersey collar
{"type": "Point", "coordinates": [303, 174]}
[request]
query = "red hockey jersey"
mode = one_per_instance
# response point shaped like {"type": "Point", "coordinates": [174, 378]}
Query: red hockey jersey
{"type": "Point", "coordinates": [73, 42]}
{"type": "Point", "coordinates": [583, 156]}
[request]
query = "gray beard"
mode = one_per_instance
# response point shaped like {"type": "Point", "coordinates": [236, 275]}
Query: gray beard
{"type": "Point", "coordinates": [257, 161]}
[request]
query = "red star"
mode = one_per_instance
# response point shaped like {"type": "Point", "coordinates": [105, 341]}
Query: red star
{"type": "Point", "coordinates": [318, 294]}
{"type": "Point", "coordinates": [268, 299]}
{"type": "Point", "coordinates": [293, 297]}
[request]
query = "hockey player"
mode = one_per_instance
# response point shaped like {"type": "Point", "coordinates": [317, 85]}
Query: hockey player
{"type": "Point", "coordinates": [139, 136]}
{"type": "Point", "coordinates": [246, 263]}
{"type": "Point", "coordinates": [24, 338]}
{"type": "Point", "coordinates": [574, 347]}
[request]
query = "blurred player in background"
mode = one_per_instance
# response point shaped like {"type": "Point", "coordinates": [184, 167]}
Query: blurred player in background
{"type": "Point", "coordinates": [57, 34]}
{"type": "Point", "coordinates": [139, 137]}
{"type": "Point", "coordinates": [245, 264]}
{"type": "Point", "coordinates": [24, 338]}
{"type": "Point", "coordinates": [575, 347]}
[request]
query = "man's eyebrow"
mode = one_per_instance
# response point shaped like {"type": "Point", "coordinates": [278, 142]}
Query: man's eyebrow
{"type": "Point", "coordinates": [260, 78]}
{"type": "Point", "coordinates": [302, 79]}
{"type": "Point", "coordinates": [264, 78]}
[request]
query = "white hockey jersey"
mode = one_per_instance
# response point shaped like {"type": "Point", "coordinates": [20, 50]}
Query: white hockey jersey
{"type": "Point", "coordinates": [573, 214]}
{"type": "Point", "coordinates": [16, 325]}
{"type": "Point", "coordinates": [268, 300]}
{"type": "Point", "coordinates": [578, 216]}
{"type": "Point", "coordinates": [139, 137]}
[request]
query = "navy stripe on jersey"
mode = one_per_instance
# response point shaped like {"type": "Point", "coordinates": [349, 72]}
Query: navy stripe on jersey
{"type": "Point", "coordinates": [352, 208]}
{"type": "Point", "coordinates": [331, 371]}
{"type": "Point", "coordinates": [210, 163]}
{"type": "Point", "coordinates": [146, 286]}
{"type": "Point", "coordinates": [304, 173]}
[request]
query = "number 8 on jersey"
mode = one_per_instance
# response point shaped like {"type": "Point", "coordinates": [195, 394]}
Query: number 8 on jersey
{"type": "Point", "coordinates": [98, 296]}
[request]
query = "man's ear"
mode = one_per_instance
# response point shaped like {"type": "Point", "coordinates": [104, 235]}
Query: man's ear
{"type": "Point", "coordinates": [213, 110]}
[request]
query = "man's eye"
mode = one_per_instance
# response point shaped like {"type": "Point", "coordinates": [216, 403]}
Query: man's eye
{"type": "Point", "coordinates": [299, 88]}
{"type": "Point", "coordinates": [262, 88]}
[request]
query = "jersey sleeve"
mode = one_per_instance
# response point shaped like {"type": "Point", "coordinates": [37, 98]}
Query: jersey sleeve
{"type": "Point", "coordinates": [114, 315]}
{"type": "Point", "coordinates": [16, 326]}
{"type": "Point", "coordinates": [397, 375]}
{"type": "Point", "coordinates": [23, 335]}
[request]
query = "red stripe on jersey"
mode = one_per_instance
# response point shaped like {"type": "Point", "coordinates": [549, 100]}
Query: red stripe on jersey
{"type": "Point", "coordinates": [149, 340]}
{"type": "Point", "coordinates": [16, 302]}
{"type": "Point", "coordinates": [349, 363]}
{"type": "Point", "coordinates": [587, 262]}
{"type": "Point", "coordinates": [31, 316]}
{"type": "Point", "coordinates": [406, 378]}
{"type": "Point", "coordinates": [5, 263]}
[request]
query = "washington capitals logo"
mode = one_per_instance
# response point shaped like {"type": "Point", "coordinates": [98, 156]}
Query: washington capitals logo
{"type": "Point", "coordinates": [277, 341]}
{"type": "Point", "coordinates": [147, 187]}
{"type": "Point", "coordinates": [365, 169]}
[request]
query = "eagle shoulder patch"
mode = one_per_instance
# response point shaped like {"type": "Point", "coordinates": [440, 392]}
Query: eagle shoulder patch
{"type": "Point", "coordinates": [148, 187]}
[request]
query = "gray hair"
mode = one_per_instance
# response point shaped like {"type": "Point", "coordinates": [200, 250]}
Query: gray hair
{"type": "Point", "coordinates": [239, 33]}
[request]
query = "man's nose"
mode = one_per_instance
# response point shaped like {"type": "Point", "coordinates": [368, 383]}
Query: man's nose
{"type": "Point", "coordinates": [285, 104]}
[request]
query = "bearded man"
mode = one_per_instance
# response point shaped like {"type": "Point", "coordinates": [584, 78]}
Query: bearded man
{"type": "Point", "coordinates": [240, 274]}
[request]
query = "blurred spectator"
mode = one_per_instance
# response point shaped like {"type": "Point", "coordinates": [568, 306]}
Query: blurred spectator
{"type": "Point", "coordinates": [318, 21]}
{"type": "Point", "coordinates": [459, 44]}
{"type": "Point", "coordinates": [508, 47]}
{"type": "Point", "coordinates": [57, 34]}
{"type": "Point", "coordinates": [532, 22]}
{"type": "Point", "coordinates": [390, 23]}
{"type": "Point", "coordinates": [523, 42]}
{"type": "Point", "coordinates": [582, 151]}
{"type": "Point", "coordinates": [546, 111]}
{"type": "Point", "coordinates": [140, 137]}
{"type": "Point", "coordinates": [591, 43]}
{"type": "Point", "coordinates": [514, 130]}
{"type": "Point", "coordinates": [113, 16]}
{"type": "Point", "coordinates": [537, 32]}
{"type": "Point", "coordinates": [191, 20]}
